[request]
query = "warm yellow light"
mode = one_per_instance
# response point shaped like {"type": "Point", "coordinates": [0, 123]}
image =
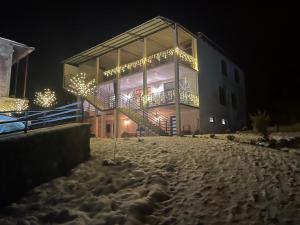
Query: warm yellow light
{"type": "Point", "coordinates": [79, 85]}
{"type": "Point", "coordinates": [126, 122]}
{"type": "Point", "coordinates": [158, 56]}
{"type": "Point", "coordinates": [45, 98]}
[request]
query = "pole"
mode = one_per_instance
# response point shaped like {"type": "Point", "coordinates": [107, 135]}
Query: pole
{"type": "Point", "coordinates": [16, 80]}
{"type": "Point", "coordinates": [25, 77]}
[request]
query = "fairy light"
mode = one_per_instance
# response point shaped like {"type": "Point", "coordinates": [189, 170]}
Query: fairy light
{"type": "Point", "coordinates": [158, 57]}
{"type": "Point", "coordinates": [14, 105]}
{"type": "Point", "coordinates": [45, 99]}
{"type": "Point", "coordinates": [79, 85]}
{"type": "Point", "coordinates": [21, 104]}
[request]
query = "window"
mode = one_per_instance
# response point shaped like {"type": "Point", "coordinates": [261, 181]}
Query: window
{"type": "Point", "coordinates": [222, 95]}
{"type": "Point", "coordinates": [233, 101]}
{"type": "Point", "coordinates": [236, 76]}
{"type": "Point", "coordinates": [224, 122]}
{"type": "Point", "coordinates": [211, 119]}
{"type": "Point", "coordinates": [224, 67]}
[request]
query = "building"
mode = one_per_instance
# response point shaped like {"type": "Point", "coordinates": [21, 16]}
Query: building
{"type": "Point", "coordinates": [11, 55]}
{"type": "Point", "coordinates": [159, 78]}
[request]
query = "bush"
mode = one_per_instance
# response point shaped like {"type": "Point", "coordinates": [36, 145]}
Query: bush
{"type": "Point", "coordinates": [212, 135]}
{"type": "Point", "coordinates": [260, 122]}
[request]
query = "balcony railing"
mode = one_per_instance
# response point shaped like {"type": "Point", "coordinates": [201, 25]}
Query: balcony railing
{"type": "Point", "coordinates": [168, 96]}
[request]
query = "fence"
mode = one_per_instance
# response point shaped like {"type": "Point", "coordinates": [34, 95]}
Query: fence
{"type": "Point", "coordinates": [22, 121]}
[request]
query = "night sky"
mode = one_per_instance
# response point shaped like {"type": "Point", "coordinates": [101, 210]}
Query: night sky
{"type": "Point", "coordinates": [262, 39]}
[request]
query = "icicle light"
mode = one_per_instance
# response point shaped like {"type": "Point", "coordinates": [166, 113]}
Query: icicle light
{"type": "Point", "coordinates": [158, 57]}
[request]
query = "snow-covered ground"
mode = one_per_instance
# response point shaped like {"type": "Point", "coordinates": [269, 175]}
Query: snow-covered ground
{"type": "Point", "coordinates": [169, 180]}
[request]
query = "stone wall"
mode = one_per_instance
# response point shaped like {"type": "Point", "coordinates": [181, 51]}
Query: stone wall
{"type": "Point", "coordinates": [27, 160]}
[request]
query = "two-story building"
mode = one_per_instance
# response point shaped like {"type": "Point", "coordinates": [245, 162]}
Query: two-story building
{"type": "Point", "coordinates": [162, 79]}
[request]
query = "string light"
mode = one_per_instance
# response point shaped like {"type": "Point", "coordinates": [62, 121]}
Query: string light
{"type": "Point", "coordinates": [160, 98]}
{"type": "Point", "coordinates": [14, 105]}
{"type": "Point", "coordinates": [158, 57]}
{"type": "Point", "coordinates": [46, 98]}
{"type": "Point", "coordinates": [80, 86]}
{"type": "Point", "coordinates": [21, 104]}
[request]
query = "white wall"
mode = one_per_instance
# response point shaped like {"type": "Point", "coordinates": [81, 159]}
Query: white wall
{"type": "Point", "coordinates": [210, 78]}
{"type": "Point", "coordinates": [6, 52]}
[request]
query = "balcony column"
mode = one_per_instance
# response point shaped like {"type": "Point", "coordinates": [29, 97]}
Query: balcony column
{"type": "Point", "coordinates": [145, 88]}
{"type": "Point", "coordinates": [25, 77]}
{"type": "Point", "coordinates": [117, 93]}
{"type": "Point", "coordinates": [95, 94]}
{"type": "Point", "coordinates": [196, 67]}
{"type": "Point", "coordinates": [177, 93]}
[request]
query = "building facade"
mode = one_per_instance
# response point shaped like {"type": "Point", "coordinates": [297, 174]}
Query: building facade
{"type": "Point", "coordinates": [159, 79]}
{"type": "Point", "coordinates": [11, 54]}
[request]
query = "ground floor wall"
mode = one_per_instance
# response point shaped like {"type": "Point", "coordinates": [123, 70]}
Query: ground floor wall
{"type": "Point", "coordinates": [103, 123]}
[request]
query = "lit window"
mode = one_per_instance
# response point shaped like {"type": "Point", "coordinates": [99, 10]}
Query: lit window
{"type": "Point", "coordinates": [211, 119]}
{"type": "Point", "coordinates": [224, 122]}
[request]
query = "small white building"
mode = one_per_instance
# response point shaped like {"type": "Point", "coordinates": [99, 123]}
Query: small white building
{"type": "Point", "coordinates": [160, 77]}
{"type": "Point", "coordinates": [11, 53]}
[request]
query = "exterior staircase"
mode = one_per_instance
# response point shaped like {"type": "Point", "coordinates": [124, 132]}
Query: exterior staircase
{"type": "Point", "coordinates": [153, 122]}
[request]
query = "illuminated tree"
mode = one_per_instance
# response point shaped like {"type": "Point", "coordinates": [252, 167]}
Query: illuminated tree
{"type": "Point", "coordinates": [46, 98]}
{"type": "Point", "coordinates": [81, 86]}
{"type": "Point", "coordinates": [20, 105]}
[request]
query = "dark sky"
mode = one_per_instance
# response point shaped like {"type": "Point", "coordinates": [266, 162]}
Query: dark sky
{"type": "Point", "coordinates": [262, 39]}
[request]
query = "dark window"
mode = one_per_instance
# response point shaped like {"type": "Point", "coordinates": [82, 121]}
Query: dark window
{"type": "Point", "coordinates": [222, 95]}
{"type": "Point", "coordinates": [236, 76]}
{"type": "Point", "coordinates": [224, 67]}
{"type": "Point", "coordinates": [233, 100]}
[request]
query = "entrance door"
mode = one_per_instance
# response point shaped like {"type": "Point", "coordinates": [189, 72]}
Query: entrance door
{"type": "Point", "coordinates": [173, 125]}
{"type": "Point", "coordinates": [109, 129]}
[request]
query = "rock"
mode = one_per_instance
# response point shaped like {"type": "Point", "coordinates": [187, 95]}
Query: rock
{"type": "Point", "coordinates": [212, 135]}
{"type": "Point", "coordinates": [158, 195]}
{"type": "Point", "coordinates": [141, 208]}
{"type": "Point", "coordinates": [138, 173]}
{"type": "Point", "coordinates": [284, 149]}
{"type": "Point", "coordinates": [108, 162]}
{"type": "Point", "coordinates": [58, 216]}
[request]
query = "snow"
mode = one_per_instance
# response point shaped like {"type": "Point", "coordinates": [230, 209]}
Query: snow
{"type": "Point", "coordinates": [169, 180]}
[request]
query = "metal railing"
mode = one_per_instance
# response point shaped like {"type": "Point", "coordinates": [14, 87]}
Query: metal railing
{"type": "Point", "coordinates": [22, 121]}
{"type": "Point", "coordinates": [134, 109]}
{"type": "Point", "coordinates": [168, 96]}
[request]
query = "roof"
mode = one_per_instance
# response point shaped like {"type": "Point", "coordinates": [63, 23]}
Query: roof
{"type": "Point", "coordinates": [152, 26]}
{"type": "Point", "coordinates": [20, 50]}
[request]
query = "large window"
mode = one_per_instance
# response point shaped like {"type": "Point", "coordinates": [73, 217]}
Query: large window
{"type": "Point", "coordinates": [223, 67]}
{"type": "Point", "coordinates": [236, 76]}
{"type": "Point", "coordinates": [233, 101]}
{"type": "Point", "coordinates": [222, 95]}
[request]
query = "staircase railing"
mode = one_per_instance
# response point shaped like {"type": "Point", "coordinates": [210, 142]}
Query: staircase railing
{"type": "Point", "coordinates": [101, 101]}
{"type": "Point", "coordinates": [133, 108]}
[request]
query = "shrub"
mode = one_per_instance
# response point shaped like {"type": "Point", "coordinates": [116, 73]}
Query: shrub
{"type": "Point", "coordinates": [260, 122]}
{"type": "Point", "coordinates": [212, 135]}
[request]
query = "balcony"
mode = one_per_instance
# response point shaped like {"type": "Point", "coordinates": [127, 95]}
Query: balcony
{"type": "Point", "coordinates": [152, 61]}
